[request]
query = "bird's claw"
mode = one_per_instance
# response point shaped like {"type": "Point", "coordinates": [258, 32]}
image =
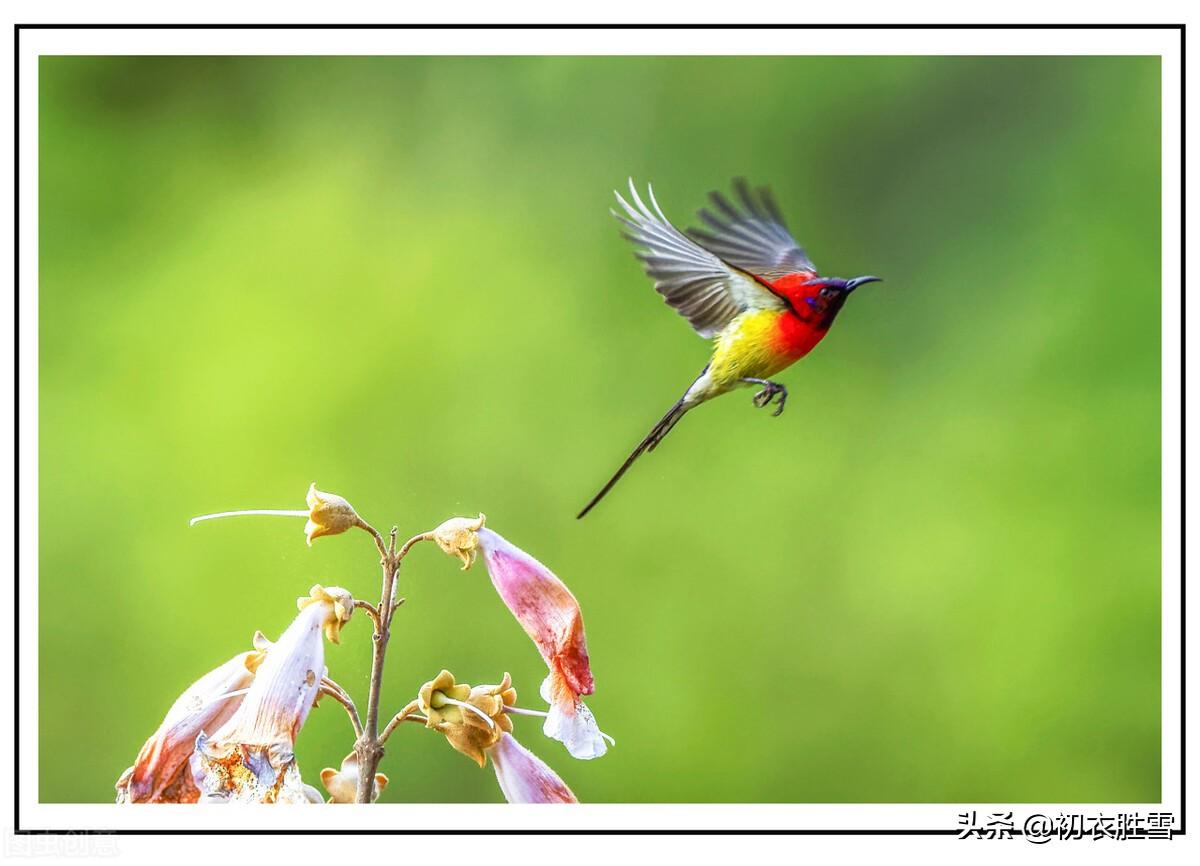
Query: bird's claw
{"type": "Point", "coordinates": [769, 392]}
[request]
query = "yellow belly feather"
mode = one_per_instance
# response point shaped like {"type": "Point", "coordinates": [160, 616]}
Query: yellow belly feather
{"type": "Point", "coordinates": [747, 348]}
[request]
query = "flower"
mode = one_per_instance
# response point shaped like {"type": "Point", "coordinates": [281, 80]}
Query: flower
{"type": "Point", "coordinates": [523, 777]}
{"type": "Point", "coordinates": [458, 537]}
{"type": "Point", "coordinates": [550, 615]}
{"type": "Point", "coordinates": [342, 784]}
{"type": "Point", "coordinates": [250, 757]}
{"type": "Point", "coordinates": [472, 719]}
{"type": "Point", "coordinates": [160, 773]}
{"type": "Point", "coordinates": [476, 722]}
{"type": "Point", "coordinates": [328, 514]}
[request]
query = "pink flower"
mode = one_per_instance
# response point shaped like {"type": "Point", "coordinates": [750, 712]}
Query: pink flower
{"type": "Point", "coordinates": [160, 774]}
{"type": "Point", "coordinates": [250, 758]}
{"type": "Point", "coordinates": [523, 777]}
{"type": "Point", "coordinates": [550, 615]}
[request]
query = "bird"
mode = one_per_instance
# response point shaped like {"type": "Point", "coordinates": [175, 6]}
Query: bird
{"type": "Point", "coordinates": [741, 280]}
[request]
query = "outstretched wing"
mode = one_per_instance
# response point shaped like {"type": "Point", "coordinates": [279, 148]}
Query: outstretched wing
{"type": "Point", "coordinates": [705, 290]}
{"type": "Point", "coordinates": [754, 239]}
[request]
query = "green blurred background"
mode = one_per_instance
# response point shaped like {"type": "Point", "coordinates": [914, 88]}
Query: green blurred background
{"type": "Point", "coordinates": [934, 578]}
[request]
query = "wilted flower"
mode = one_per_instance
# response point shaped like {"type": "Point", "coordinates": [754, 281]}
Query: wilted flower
{"type": "Point", "coordinates": [160, 774]}
{"type": "Point", "coordinates": [472, 719]}
{"type": "Point", "coordinates": [523, 777]}
{"type": "Point", "coordinates": [550, 616]}
{"type": "Point", "coordinates": [328, 514]}
{"type": "Point", "coordinates": [458, 537]}
{"type": "Point", "coordinates": [475, 721]}
{"type": "Point", "coordinates": [342, 784]}
{"type": "Point", "coordinates": [250, 758]}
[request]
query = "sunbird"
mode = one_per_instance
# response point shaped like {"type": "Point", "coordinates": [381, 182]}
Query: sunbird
{"type": "Point", "coordinates": [742, 280]}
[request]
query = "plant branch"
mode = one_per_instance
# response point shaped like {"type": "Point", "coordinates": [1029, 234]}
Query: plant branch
{"type": "Point", "coordinates": [402, 716]}
{"type": "Point", "coordinates": [369, 746]}
{"type": "Point", "coordinates": [333, 690]}
{"type": "Point", "coordinates": [383, 551]}
{"type": "Point", "coordinates": [408, 545]}
{"type": "Point", "coordinates": [371, 611]}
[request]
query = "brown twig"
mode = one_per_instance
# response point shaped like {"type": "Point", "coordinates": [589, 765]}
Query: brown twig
{"type": "Point", "coordinates": [329, 687]}
{"type": "Point", "coordinates": [403, 716]}
{"type": "Point", "coordinates": [383, 551]}
{"type": "Point", "coordinates": [369, 746]}
{"type": "Point", "coordinates": [408, 545]}
{"type": "Point", "coordinates": [370, 609]}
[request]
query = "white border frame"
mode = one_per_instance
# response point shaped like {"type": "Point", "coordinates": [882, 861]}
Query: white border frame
{"type": "Point", "coordinates": [34, 815]}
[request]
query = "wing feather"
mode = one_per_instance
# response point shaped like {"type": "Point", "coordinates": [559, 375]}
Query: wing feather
{"type": "Point", "coordinates": [700, 286]}
{"type": "Point", "coordinates": [754, 238]}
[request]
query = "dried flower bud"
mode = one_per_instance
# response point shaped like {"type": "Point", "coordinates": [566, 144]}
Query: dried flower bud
{"type": "Point", "coordinates": [342, 784]}
{"type": "Point", "coordinates": [341, 606]}
{"type": "Point", "coordinates": [458, 537]}
{"type": "Point", "coordinates": [328, 514]}
{"type": "Point", "coordinates": [472, 719]}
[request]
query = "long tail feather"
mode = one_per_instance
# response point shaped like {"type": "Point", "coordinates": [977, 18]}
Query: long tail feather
{"type": "Point", "coordinates": [656, 435]}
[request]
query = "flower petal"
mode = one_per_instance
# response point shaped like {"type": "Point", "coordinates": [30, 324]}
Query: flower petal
{"type": "Point", "coordinates": [544, 607]}
{"type": "Point", "coordinates": [208, 703]}
{"type": "Point", "coordinates": [232, 773]}
{"type": "Point", "coordinates": [572, 724]}
{"type": "Point", "coordinates": [550, 616]}
{"type": "Point", "coordinates": [250, 757]}
{"type": "Point", "coordinates": [523, 777]}
{"type": "Point", "coordinates": [285, 685]}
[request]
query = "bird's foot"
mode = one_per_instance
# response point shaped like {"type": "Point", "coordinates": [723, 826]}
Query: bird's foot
{"type": "Point", "coordinates": [769, 392]}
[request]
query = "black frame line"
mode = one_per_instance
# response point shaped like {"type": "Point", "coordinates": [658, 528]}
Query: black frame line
{"type": "Point", "coordinates": [17, 28]}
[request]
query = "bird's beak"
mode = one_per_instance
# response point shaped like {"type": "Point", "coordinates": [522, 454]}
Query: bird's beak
{"type": "Point", "coordinates": [853, 284]}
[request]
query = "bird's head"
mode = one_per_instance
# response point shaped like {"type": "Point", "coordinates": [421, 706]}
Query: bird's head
{"type": "Point", "coordinates": [820, 298]}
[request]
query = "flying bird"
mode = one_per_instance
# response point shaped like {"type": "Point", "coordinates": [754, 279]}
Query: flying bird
{"type": "Point", "coordinates": [743, 280]}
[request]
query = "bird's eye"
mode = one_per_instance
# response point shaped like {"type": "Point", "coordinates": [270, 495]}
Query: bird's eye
{"type": "Point", "coordinates": [825, 293]}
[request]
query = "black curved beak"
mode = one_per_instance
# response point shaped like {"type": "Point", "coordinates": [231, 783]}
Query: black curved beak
{"type": "Point", "coordinates": [853, 284]}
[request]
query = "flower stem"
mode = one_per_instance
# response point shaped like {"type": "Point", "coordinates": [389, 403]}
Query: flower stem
{"type": "Point", "coordinates": [370, 609]}
{"type": "Point", "coordinates": [405, 715]}
{"type": "Point", "coordinates": [366, 527]}
{"type": "Point", "coordinates": [328, 687]}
